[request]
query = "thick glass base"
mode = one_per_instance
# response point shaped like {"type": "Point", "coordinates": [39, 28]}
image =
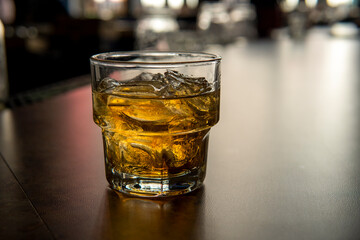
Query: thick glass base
{"type": "Point", "coordinates": [155, 165]}
{"type": "Point", "coordinates": [155, 187]}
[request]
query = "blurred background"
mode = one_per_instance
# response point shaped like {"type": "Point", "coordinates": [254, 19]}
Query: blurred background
{"type": "Point", "coordinates": [46, 42]}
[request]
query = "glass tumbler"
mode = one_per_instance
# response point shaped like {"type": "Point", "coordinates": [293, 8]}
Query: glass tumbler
{"type": "Point", "coordinates": [155, 110]}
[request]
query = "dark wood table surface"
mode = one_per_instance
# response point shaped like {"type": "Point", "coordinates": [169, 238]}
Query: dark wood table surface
{"type": "Point", "coordinates": [283, 163]}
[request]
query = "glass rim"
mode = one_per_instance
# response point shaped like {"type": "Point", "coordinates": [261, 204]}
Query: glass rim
{"type": "Point", "coordinates": [198, 57]}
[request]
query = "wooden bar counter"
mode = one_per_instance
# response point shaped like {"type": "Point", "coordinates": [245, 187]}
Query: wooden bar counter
{"type": "Point", "coordinates": [283, 162]}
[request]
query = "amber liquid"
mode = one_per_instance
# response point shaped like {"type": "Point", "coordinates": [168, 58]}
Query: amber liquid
{"type": "Point", "coordinates": [155, 138]}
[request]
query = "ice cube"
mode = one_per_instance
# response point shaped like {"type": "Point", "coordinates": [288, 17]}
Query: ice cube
{"type": "Point", "coordinates": [107, 84]}
{"type": "Point", "coordinates": [169, 84]}
{"type": "Point", "coordinates": [143, 85]}
{"type": "Point", "coordinates": [181, 85]}
{"type": "Point", "coordinates": [145, 76]}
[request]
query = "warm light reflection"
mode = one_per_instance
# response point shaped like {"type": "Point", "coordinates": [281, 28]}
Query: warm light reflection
{"type": "Point", "coordinates": [192, 3]}
{"type": "Point", "coordinates": [153, 3]}
{"type": "Point", "coordinates": [289, 5]}
{"type": "Point", "coordinates": [311, 3]}
{"type": "Point", "coordinates": [176, 4]}
{"type": "Point", "coordinates": [158, 24]}
{"type": "Point", "coordinates": [184, 213]}
{"type": "Point", "coordinates": [3, 67]}
{"type": "Point", "coordinates": [336, 3]}
{"type": "Point", "coordinates": [7, 11]}
{"type": "Point", "coordinates": [8, 132]}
